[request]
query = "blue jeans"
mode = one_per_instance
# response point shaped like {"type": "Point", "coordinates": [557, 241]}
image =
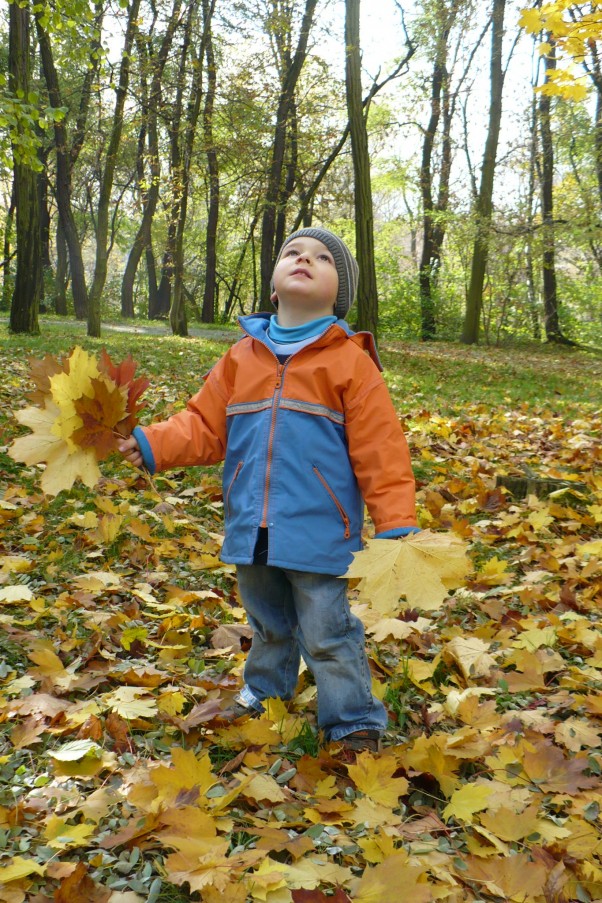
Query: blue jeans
{"type": "Point", "coordinates": [294, 614]}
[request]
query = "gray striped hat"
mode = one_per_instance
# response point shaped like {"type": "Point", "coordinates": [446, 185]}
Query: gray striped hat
{"type": "Point", "coordinates": [344, 261]}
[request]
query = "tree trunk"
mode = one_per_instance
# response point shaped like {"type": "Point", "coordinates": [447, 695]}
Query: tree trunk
{"type": "Point", "coordinates": [550, 293]}
{"type": "Point", "coordinates": [484, 201]}
{"type": "Point", "coordinates": [60, 276]}
{"type": "Point", "coordinates": [150, 195]}
{"type": "Point", "coordinates": [433, 227]}
{"type": "Point", "coordinates": [529, 265]}
{"type": "Point", "coordinates": [106, 187]}
{"type": "Point", "coordinates": [367, 298]}
{"type": "Point", "coordinates": [209, 294]}
{"type": "Point", "coordinates": [64, 165]}
{"type": "Point", "coordinates": [289, 81]}
{"type": "Point", "coordinates": [26, 292]}
{"type": "Point", "coordinates": [7, 254]}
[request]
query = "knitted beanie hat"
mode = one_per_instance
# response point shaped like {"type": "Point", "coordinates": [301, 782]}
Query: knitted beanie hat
{"type": "Point", "coordinates": [344, 261]}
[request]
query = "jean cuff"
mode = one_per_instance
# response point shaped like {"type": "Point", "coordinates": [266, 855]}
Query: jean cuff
{"type": "Point", "coordinates": [338, 733]}
{"type": "Point", "coordinates": [248, 699]}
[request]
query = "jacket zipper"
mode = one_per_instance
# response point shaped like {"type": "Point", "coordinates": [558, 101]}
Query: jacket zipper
{"type": "Point", "coordinates": [340, 508]}
{"type": "Point", "coordinates": [268, 467]}
{"type": "Point", "coordinates": [239, 467]}
{"type": "Point", "coordinates": [278, 392]}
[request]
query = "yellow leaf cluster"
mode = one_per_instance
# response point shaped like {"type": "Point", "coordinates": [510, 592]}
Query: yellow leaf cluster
{"type": "Point", "coordinates": [571, 36]}
{"type": "Point", "coordinates": [76, 420]}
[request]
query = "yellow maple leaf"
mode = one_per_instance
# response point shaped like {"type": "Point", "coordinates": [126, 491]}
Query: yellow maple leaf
{"type": "Point", "coordinates": [18, 868]}
{"type": "Point", "coordinates": [63, 465]}
{"type": "Point", "coordinates": [263, 787]}
{"type": "Point", "coordinates": [15, 564]}
{"type": "Point", "coordinates": [131, 702]}
{"type": "Point", "coordinates": [374, 778]}
{"type": "Point", "coordinates": [530, 20]}
{"type": "Point", "coordinates": [15, 593]}
{"type": "Point", "coordinates": [466, 801]}
{"type": "Point", "coordinates": [186, 773]}
{"type": "Point", "coordinates": [494, 572]}
{"type": "Point", "coordinates": [377, 848]}
{"type": "Point", "coordinates": [423, 567]}
{"type": "Point", "coordinates": [210, 870]}
{"type": "Point", "coordinates": [60, 834]}
{"type": "Point", "coordinates": [66, 388]}
{"type": "Point", "coordinates": [471, 655]}
{"type": "Point", "coordinates": [386, 880]}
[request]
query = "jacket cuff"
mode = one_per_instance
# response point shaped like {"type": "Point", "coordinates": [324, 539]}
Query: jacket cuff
{"type": "Point", "coordinates": [146, 451]}
{"type": "Point", "coordinates": [399, 531]}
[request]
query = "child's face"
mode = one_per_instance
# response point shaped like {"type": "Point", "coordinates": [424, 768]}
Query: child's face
{"type": "Point", "coordinates": [306, 278]}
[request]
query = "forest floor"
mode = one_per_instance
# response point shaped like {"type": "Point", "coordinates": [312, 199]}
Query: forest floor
{"type": "Point", "coordinates": [122, 638]}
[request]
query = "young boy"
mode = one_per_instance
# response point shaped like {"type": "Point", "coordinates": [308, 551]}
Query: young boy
{"type": "Point", "coordinates": [303, 418]}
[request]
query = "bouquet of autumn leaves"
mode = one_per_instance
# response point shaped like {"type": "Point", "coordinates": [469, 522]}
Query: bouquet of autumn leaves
{"type": "Point", "coordinates": [81, 407]}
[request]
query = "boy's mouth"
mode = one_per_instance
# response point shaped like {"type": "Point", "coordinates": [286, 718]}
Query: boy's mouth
{"type": "Point", "coordinates": [301, 272]}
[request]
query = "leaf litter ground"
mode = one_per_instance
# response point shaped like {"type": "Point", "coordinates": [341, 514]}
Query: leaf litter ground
{"type": "Point", "coordinates": [123, 638]}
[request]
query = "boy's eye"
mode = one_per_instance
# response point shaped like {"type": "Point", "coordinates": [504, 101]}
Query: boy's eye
{"type": "Point", "coordinates": [326, 257]}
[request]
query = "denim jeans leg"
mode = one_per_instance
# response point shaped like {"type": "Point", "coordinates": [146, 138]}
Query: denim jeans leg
{"type": "Point", "coordinates": [333, 645]}
{"type": "Point", "coordinates": [272, 666]}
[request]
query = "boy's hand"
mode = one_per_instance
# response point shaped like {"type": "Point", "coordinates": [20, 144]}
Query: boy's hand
{"type": "Point", "coordinates": [130, 450]}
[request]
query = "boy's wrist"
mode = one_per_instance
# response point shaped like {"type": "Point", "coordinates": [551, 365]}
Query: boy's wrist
{"type": "Point", "coordinates": [397, 532]}
{"type": "Point", "coordinates": [148, 459]}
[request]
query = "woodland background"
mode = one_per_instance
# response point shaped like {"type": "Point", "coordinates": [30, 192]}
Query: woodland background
{"type": "Point", "coordinates": [158, 183]}
{"type": "Point", "coordinates": [153, 156]}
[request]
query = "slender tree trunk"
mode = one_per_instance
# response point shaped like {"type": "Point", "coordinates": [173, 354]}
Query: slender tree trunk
{"type": "Point", "coordinates": [150, 195]}
{"type": "Point", "coordinates": [65, 158]}
{"type": "Point", "coordinates": [429, 252]}
{"type": "Point", "coordinates": [367, 298]}
{"type": "Point", "coordinates": [442, 111]}
{"type": "Point", "coordinates": [550, 289]}
{"type": "Point", "coordinates": [274, 188]}
{"type": "Point", "coordinates": [484, 202]}
{"type": "Point", "coordinates": [106, 187]}
{"type": "Point", "coordinates": [47, 274]}
{"type": "Point", "coordinates": [7, 254]}
{"type": "Point", "coordinates": [529, 265]}
{"type": "Point", "coordinates": [209, 295]}
{"type": "Point", "coordinates": [60, 276]}
{"type": "Point", "coordinates": [26, 293]}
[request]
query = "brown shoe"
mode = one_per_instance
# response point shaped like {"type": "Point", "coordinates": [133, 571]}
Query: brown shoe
{"type": "Point", "coordinates": [361, 741]}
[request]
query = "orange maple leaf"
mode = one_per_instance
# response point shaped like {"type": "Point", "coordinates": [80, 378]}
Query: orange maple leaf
{"type": "Point", "coordinates": [123, 375]}
{"type": "Point", "coordinates": [100, 415]}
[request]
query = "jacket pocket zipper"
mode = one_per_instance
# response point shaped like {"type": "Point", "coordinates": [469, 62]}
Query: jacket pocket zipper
{"type": "Point", "coordinates": [239, 467]}
{"type": "Point", "coordinates": [339, 507]}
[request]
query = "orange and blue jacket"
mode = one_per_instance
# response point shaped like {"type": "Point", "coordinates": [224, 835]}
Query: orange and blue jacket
{"type": "Point", "coordinates": [305, 444]}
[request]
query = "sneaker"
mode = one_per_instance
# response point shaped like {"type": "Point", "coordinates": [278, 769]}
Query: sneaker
{"type": "Point", "coordinates": [236, 712]}
{"type": "Point", "coordinates": [361, 741]}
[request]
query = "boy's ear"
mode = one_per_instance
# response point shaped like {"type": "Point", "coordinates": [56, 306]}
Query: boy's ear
{"type": "Point", "coordinates": [274, 297]}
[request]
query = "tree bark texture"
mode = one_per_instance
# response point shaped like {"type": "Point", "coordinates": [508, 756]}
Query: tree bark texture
{"type": "Point", "coordinates": [484, 201]}
{"type": "Point", "coordinates": [63, 184]}
{"type": "Point", "coordinates": [367, 297]}
{"type": "Point", "coordinates": [433, 230]}
{"type": "Point", "coordinates": [550, 290]}
{"type": "Point", "coordinates": [273, 195]}
{"type": "Point", "coordinates": [209, 293]}
{"type": "Point", "coordinates": [106, 185]}
{"type": "Point", "coordinates": [28, 276]}
{"type": "Point", "coordinates": [152, 101]}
